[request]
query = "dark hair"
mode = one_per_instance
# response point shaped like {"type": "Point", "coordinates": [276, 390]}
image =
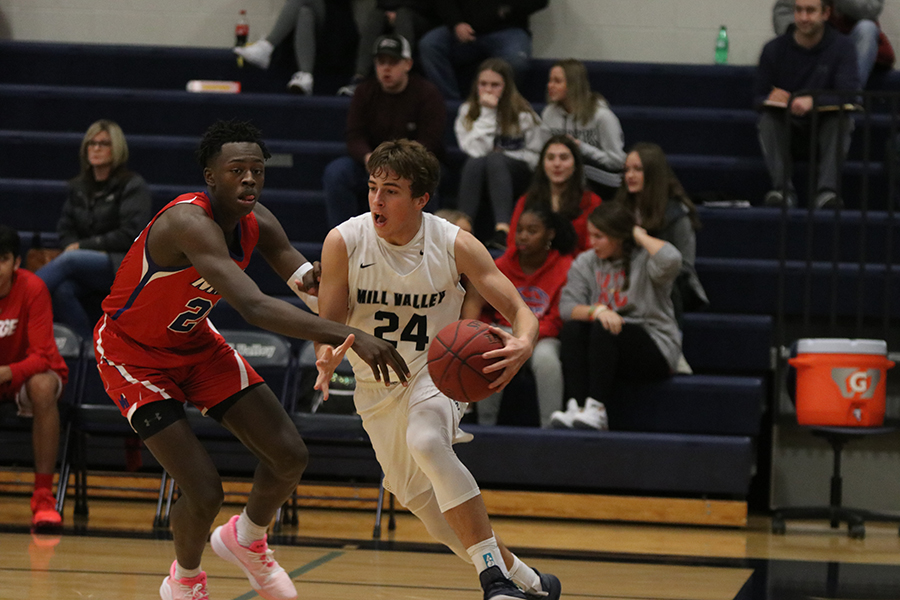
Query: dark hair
{"type": "Point", "coordinates": [227, 132]}
{"type": "Point", "coordinates": [565, 238]}
{"type": "Point", "coordinates": [407, 160]}
{"type": "Point", "coordinates": [617, 221]}
{"type": "Point", "coordinates": [539, 192]}
{"type": "Point", "coordinates": [660, 186]}
{"type": "Point", "coordinates": [10, 241]}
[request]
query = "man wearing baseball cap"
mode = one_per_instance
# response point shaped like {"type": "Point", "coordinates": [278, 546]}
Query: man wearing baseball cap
{"type": "Point", "coordinates": [393, 105]}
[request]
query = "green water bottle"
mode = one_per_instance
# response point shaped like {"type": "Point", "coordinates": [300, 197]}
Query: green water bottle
{"type": "Point", "coordinates": [722, 46]}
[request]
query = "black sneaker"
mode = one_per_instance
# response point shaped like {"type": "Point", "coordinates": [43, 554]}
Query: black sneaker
{"type": "Point", "coordinates": [551, 588]}
{"type": "Point", "coordinates": [497, 586]}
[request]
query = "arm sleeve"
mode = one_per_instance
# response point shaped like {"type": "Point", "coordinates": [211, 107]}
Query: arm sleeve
{"type": "Point", "coordinates": [479, 140]}
{"type": "Point", "coordinates": [527, 7]}
{"type": "Point", "coordinates": [577, 289]}
{"type": "Point", "coordinates": [551, 323]}
{"type": "Point", "coordinates": [65, 227]}
{"type": "Point", "coordinates": [449, 12]}
{"type": "Point", "coordinates": [41, 343]}
{"type": "Point", "coordinates": [765, 77]}
{"type": "Point", "coordinates": [357, 141]}
{"type": "Point", "coordinates": [682, 236]}
{"type": "Point", "coordinates": [611, 153]}
{"type": "Point", "coordinates": [134, 207]}
{"type": "Point", "coordinates": [664, 266]}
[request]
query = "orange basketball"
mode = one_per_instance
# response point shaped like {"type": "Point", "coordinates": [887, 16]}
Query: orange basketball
{"type": "Point", "coordinates": [455, 362]}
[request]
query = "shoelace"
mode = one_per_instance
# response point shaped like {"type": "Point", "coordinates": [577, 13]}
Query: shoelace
{"type": "Point", "coordinates": [196, 591]}
{"type": "Point", "coordinates": [264, 556]}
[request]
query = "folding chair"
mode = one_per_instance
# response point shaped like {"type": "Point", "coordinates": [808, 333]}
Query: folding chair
{"type": "Point", "coordinates": [270, 355]}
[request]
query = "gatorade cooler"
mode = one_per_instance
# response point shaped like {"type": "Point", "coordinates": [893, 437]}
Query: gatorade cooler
{"type": "Point", "coordinates": [841, 382]}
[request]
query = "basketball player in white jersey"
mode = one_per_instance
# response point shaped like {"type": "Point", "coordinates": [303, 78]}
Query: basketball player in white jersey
{"type": "Point", "coordinates": [395, 272]}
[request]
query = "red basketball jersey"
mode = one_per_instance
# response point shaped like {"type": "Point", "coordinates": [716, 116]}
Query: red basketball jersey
{"type": "Point", "coordinates": [166, 307]}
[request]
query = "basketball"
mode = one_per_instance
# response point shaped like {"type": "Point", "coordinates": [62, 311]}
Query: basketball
{"type": "Point", "coordinates": [455, 362]}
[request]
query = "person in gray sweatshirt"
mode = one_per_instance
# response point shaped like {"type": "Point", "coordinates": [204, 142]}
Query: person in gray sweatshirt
{"type": "Point", "coordinates": [574, 110]}
{"type": "Point", "coordinates": [619, 318]}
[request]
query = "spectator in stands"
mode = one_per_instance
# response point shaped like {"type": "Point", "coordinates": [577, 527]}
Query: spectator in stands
{"type": "Point", "coordinates": [305, 18]}
{"type": "Point", "coordinates": [856, 18]}
{"type": "Point", "coordinates": [106, 207]}
{"type": "Point", "coordinates": [537, 265]}
{"type": "Point", "coordinates": [472, 31]}
{"type": "Point", "coordinates": [558, 185]}
{"type": "Point", "coordinates": [619, 319]}
{"type": "Point", "coordinates": [502, 135]}
{"type": "Point", "coordinates": [393, 105]}
{"type": "Point", "coordinates": [32, 373]}
{"type": "Point", "coordinates": [573, 109]}
{"type": "Point", "coordinates": [661, 206]}
{"type": "Point", "coordinates": [810, 56]}
{"type": "Point", "coordinates": [408, 18]}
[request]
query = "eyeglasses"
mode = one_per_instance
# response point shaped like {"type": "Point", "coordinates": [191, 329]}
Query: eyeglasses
{"type": "Point", "coordinates": [99, 144]}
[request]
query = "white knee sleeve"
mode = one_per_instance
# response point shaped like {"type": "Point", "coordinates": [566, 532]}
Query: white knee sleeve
{"type": "Point", "coordinates": [429, 438]}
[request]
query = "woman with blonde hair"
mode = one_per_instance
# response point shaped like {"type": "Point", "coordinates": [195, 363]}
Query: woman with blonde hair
{"type": "Point", "coordinates": [106, 207]}
{"type": "Point", "coordinates": [573, 109]}
{"type": "Point", "coordinates": [503, 136]}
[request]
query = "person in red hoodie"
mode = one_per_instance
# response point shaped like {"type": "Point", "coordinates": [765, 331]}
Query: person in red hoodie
{"type": "Point", "coordinates": [32, 373]}
{"type": "Point", "coordinates": [559, 185]}
{"type": "Point", "coordinates": [537, 265]}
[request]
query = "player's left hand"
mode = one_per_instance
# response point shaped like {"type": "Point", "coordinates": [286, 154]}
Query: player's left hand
{"type": "Point", "coordinates": [327, 360]}
{"type": "Point", "coordinates": [512, 355]}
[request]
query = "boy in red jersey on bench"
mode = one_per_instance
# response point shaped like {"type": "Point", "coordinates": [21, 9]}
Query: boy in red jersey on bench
{"type": "Point", "coordinates": [31, 370]}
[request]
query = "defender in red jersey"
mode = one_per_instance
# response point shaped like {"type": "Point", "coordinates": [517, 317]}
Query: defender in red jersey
{"type": "Point", "coordinates": [31, 370]}
{"type": "Point", "coordinates": [156, 350]}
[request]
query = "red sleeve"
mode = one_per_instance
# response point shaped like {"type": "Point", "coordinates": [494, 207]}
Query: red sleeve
{"type": "Point", "coordinates": [39, 329]}
{"type": "Point", "coordinates": [514, 221]}
{"type": "Point", "coordinates": [589, 201]}
{"type": "Point", "coordinates": [551, 323]}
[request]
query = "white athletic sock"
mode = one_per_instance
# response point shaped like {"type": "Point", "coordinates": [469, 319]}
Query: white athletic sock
{"type": "Point", "coordinates": [182, 573]}
{"type": "Point", "coordinates": [524, 576]}
{"type": "Point", "coordinates": [487, 554]}
{"type": "Point", "coordinates": [248, 531]}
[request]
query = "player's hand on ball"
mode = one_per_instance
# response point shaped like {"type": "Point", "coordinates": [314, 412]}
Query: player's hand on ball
{"type": "Point", "coordinates": [327, 360]}
{"type": "Point", "coordinates": [511, 357]}
{"type": "Point", "coordinates": [382, 357]}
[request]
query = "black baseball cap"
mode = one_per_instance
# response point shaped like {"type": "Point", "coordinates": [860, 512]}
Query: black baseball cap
{"type": "Point", "coordinates": [392, 45]}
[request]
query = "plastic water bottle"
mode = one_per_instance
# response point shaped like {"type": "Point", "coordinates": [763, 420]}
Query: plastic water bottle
{"type": "Point", "coordinates": [241, 31]}
{"type": "Point", "coordinates": [722, 46]}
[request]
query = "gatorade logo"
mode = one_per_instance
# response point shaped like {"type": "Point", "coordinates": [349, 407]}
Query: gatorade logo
{"type": "Point", "coordinates": [488, 560]}
{"type": "Point", "coordinates": [856, 383]}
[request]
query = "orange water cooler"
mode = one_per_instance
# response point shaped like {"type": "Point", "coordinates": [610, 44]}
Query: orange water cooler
{"type": "Point", "coordinates": [841, 382]}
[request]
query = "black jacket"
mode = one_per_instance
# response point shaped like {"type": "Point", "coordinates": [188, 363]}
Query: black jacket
{"type": "Point", "coordinates": [105, 217]}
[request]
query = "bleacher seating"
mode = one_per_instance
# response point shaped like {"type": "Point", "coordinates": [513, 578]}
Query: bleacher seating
{"type": "Point", "coordinates": [700, 115]}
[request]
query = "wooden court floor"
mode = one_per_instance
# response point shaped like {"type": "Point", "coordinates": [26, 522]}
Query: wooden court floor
{"type": "Point", "coordinates": [331, 556]}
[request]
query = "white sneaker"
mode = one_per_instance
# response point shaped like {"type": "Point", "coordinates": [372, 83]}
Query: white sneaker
{"type": "Point", "coordinates": [258, 53]}
{"type": "Point", "coordinates": [350, 88]}
{"type": "Point", "coordinates": [301, 82]}
{"type": "Point", "coordinates": [563, 420]}
{"type": "Point", "coordinates": [592, 417]}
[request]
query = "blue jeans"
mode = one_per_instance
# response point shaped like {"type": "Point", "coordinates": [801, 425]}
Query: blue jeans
{"type": "Point", "coordinates": [346, 185]}
{"type": "Point", "coordinates": [73, 276]}
{"type": "Point", "coordinates": [441, 53]}
{"type": "Point", "coordinates": [865, 37]}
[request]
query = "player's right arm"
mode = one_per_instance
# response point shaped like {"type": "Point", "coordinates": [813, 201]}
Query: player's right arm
{"type": "Point", "coordinates": [184, 234]}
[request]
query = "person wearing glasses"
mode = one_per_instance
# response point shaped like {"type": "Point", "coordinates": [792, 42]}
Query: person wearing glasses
{"type": "Point", "coordinates": [106, 207]}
